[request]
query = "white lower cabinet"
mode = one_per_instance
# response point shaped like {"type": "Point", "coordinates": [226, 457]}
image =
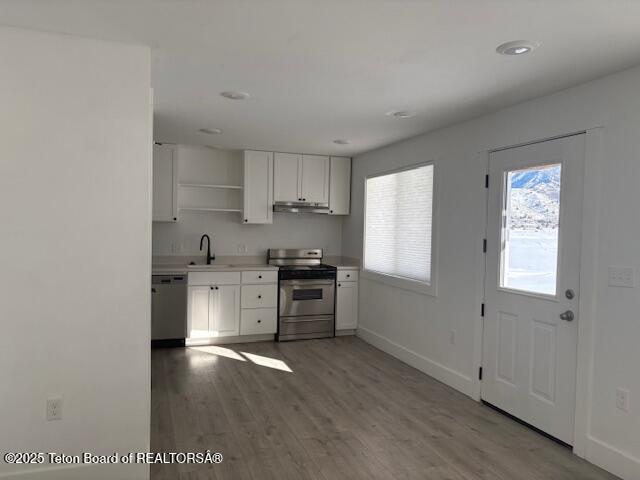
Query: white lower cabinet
{"type": "Point", "coordinates": [346, 305]}
{"type": "Point", "coordinates": [213, 311]}
{"type": "Point", "coordinates": [198, 312]}
{"type": "Point", "coordinates": [259, 296]}
{"type": "Point", "coordinates": [257, 321]}
{"type": "Point", "coordinates": [259, 303]}
{"type": "Point", "coordinates": [221, 305]}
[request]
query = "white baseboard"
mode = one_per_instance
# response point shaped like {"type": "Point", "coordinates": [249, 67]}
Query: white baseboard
{"type": "Point", "coordinates": [342, 333]}
{"type": "Point", "coordinates": [446, 375]}
{"type": "Point", "coordinates": [82, 472]}
{"type": "Point", "coordinates": [610, 458]}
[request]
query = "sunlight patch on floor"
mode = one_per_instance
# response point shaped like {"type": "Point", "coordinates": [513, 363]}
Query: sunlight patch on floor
{"type": "Point", "coordinates": [267, 362]}
{"type": "Point", "coordinates": [219, 351]}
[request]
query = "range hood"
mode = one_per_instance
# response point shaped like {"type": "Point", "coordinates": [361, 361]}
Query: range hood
{"type": "Point", "coordinates": [299, 207]}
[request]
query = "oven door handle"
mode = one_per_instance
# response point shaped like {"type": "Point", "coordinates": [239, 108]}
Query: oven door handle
{"type": "Point", "coordinates": [306, 283]}
{"type": "Point", "coordinates": [306, 318]}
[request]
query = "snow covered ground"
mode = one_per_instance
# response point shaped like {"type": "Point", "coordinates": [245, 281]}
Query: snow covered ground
{"type": "Point", "coordinates": [531, 261]}
{"type": "Point", "coordinates": [532, 238]}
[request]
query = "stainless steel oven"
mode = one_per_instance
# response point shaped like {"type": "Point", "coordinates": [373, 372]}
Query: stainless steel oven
{"type": "Point", "coordinates": [307, 297]}
{"type": "Point", "coordinates": [307, 291]}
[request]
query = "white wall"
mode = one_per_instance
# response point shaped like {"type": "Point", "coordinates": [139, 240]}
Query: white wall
{"type": "Point", "coordinates": [227, 231]}
{"type": "Point", "coordinates": [75, 259]}
{"type": "Point", "coordinates": [416, 327]}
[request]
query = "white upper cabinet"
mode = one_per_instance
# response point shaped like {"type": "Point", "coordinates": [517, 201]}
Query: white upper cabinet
{"type": "Point", "coordinates": [301, 178]}
{"type": "Point", "coordinates": [258, 187]}
{"type": "Point", "coordinates": [286, 181]}
{"type": "Point", "coordinates": [315, 179]}
{"type": "Point", "coordinates": [165, 183]}
{"type": "Point", "coordinates": [340, 186]}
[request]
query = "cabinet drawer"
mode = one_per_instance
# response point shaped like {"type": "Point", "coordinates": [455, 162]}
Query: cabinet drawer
{"type": "Point", "coordinates": [267, 276]}
{"type": "Point", "coordinates": [347, 275]}
{"type": "Point", "coordinates": [214, 278]}
{"type": "Point", "coordinates": [255, 321]}
{"type": "Point", "coordinates": [259, 296]}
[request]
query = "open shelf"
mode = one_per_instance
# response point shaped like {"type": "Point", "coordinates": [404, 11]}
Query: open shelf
{"type": "Point", "coordinates": [209, 180]}
{"type": "Point", "coordinates": [209, 185]}
{"type": "Point", "coordinates": [207, 209]}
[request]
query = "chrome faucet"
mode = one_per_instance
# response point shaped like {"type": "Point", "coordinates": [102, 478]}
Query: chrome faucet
{"type": "Point", "coordinates": [209, 256]}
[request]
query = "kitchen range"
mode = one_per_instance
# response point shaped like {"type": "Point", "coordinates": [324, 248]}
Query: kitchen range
{"type": "Point", "coordinates": [306, 294]}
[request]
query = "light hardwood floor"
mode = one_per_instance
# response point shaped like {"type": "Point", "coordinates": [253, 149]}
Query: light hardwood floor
{"type": "Point", "coordinates": [345, 411]}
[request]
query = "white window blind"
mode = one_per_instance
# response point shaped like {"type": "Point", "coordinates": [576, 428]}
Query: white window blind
{"type": "Point", "coordinates": [398, 223]}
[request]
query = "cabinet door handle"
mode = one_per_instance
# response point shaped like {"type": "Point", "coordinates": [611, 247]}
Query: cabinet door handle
{"type": "Point", "coordinates": [259, 276]}
{"type": "Point", "coordinates": [339, 284]}
{"type": "Point", "coordinates": [216, 288]}
{"type": "Point", "coordinates": [259, 321]}
{"type": "Point", "coordinates": [259, 296]}
{"type": "Point", "coordinates": [211, 288]}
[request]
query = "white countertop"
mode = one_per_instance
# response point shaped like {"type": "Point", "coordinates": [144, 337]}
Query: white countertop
{"type": "Point", "coordinates": [179, 264]}
{"type": "Point", "coordinates": [343, 263]}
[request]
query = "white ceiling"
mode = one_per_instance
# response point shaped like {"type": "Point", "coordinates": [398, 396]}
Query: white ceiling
{"type": "Point", "coordinates": [319, 70]}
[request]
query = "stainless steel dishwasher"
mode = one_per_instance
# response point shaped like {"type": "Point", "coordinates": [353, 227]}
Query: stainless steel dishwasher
{"type": "Point", "coordinates": [168, 310]}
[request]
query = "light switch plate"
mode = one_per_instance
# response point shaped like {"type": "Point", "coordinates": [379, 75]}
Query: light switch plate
{"type": "Point", "coordinates": [622, 277]}
{"type": "Point", "coordinates": [622, 399]}
{"type": "Point", "coordinates": [54, 408]}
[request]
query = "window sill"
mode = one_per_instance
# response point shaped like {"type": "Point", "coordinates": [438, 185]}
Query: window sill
{"type": "Point", "coordinates": [399, 282]}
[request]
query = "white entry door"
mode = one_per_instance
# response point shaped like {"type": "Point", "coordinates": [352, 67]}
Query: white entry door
{"type": "Point", "coordinates": [532, 283]}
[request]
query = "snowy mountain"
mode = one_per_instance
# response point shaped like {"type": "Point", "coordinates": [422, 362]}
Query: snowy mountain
{"type": "Point", "coordinates": [535, 199]}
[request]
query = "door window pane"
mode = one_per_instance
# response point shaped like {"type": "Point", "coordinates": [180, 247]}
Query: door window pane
{"type": "Point", "coordinates": [530, 229]}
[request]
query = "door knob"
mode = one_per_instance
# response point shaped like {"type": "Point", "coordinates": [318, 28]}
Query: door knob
{"type": "Point", "coordinates": [568, 316]}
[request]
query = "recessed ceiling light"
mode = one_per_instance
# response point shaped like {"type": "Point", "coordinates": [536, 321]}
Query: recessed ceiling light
{"type": "Point", "coordinates": [235, 95]}
{"type": "Point", "coordinates": [401, 114]}
{"type": "Point", "coordinates": [517, 47]}
{"type": "Point", "coordinates": [211, 131]}
{"type": "Point", "coordinates": [342, 141]}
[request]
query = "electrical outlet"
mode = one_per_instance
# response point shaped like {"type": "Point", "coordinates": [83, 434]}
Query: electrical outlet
{"type": "Point", "coordinates": [622, 277]}
{"type": "Point", "coordinates": [54, 408]}
{"type": "Point", "coordinates": [242, 248]}
{"type": "Point", "coordinates": [452, 337]}
{"type": "Point", "coordinates": [622, 399]}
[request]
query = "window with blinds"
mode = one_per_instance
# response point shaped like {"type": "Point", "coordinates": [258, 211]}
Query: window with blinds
{"type": "Point", "coordinates": [398, 224]}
